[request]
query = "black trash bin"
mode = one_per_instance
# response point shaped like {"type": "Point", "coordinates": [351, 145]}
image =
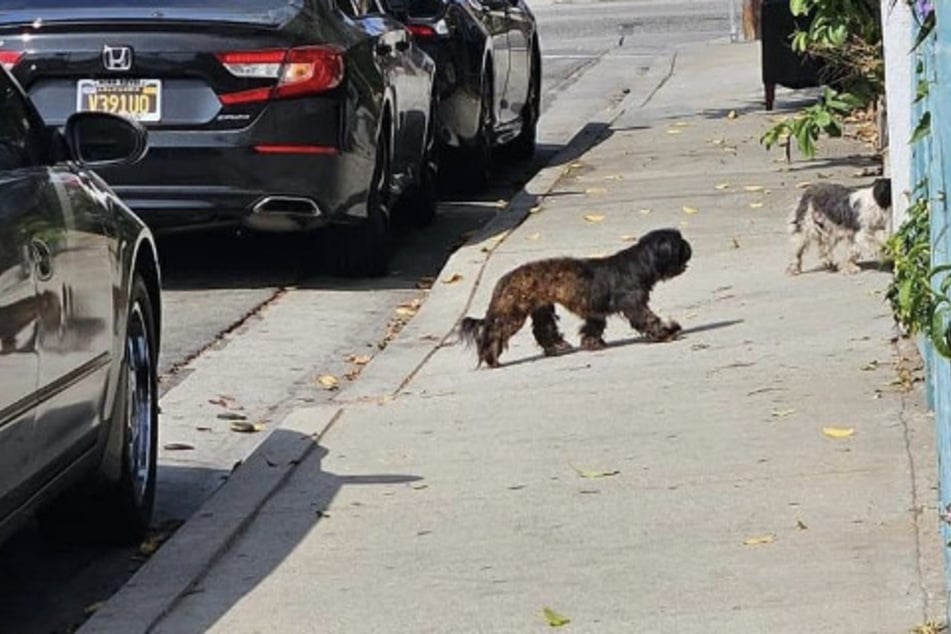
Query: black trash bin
{"type": "Point", "coordinates": [781, 65]}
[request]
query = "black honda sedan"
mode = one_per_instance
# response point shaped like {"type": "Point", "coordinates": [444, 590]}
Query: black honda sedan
{"type": "Point", "coordinates": [277, 115]}
{"type": "Point", "coordinates": [79, 321]}
{"type": "Point", "coordinates": [488, 78]}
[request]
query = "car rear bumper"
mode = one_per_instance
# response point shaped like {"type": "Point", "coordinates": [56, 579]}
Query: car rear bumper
{"type": "Point", "coordinates": [200, 179]}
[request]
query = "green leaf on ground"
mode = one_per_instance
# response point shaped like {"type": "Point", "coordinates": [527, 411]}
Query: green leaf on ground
{"type": "Point", "coordinates": [554, 619]}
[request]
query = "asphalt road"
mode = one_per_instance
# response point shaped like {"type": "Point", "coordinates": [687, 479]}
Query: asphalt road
{"type": "Point", "coordinates": [216, 285]}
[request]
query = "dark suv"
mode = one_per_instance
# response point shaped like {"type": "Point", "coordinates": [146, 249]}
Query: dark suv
{"type": "Point", "coordinates": [488, 77]}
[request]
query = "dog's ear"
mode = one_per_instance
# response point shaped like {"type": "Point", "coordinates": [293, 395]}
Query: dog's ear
{"type": "Point", "coordinates": [664, 252]}
{"type": "Point", "coordinates": [882, 192]}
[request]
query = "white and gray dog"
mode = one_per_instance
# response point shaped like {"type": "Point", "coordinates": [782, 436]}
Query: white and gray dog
{"type": "Point", "coordinates": [829, 213]}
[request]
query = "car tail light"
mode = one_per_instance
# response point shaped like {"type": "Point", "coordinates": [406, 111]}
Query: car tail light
{"type": "Point", "coordinates": [9, 59]}
{"type": "Point", "coordinates": [306, 70]}
{"type": "Point", "coordinates": [421, 31]}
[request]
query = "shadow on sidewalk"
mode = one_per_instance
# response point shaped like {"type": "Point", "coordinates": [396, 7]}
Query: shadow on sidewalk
{"type": "Point", "coordinates": [620, 343]}
{"type": "Point", "coordinates": [280, 527]}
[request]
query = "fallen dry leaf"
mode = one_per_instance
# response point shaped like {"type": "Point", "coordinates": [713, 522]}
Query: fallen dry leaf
{"type": "Point", "coordinates": [246, 427]}
{"type": "Point", "coordinates": [801, 525]}
{"type": "Point", "coordinates": [595, 190]}
{"type": "Point", "coordinates": [760, 540]}
{"type": "Point", "coordinates": [782, 413]}
{"type": "Point", "coordinates": [178, 446]}
{"type": "Point", "coordinates": [803, 185]}
{"type": "Point", "coordinates": [756, 205]}
{"type": "Point", "coordinates": [721, 186]}
{"type": "Point", "coordinates": [689, 210]}
{"type": "Point", "coordinates": [683, 124]}
{"type": "Point", "coordinates": [92, 608]}
{"type": "Point", "coordinates": [720, 141]}
{"type": "Point", "coordinates": [871, 365]}
{"type": "Point", "coordinates": [591, 475]}
{"type": "Point", "coordinates": [614, 177]}
{"type": "Point", "coordinates": [674, 131]}
{"type": "Point", "coordinates": [535, 209]}
{"type": "Point", "coordinates": [595, 217]}
{"type": "Point", "coordinates": [425, 282]}
{"type": "Point", "coordinates": [753, 188]}
{"type": "Point", "coordinates": [645, 211]}
{"type": "Point", "coordinates": [731, 115]}
{"type": "Point", "coordinates": [629, 238]}
{"type": "Point", "coordinates": [328, 381]}
{"type": "Point", "coordinates": [359, 359]}
{"type": "Point", "coordinates": [452, 278]}
{"type": "Point", "coordinates": [735, 243]}
{"type": "Point", "coordinates": [534, 236]}
{"type": "Point", "coordinates": [554, 619]}
{"type": "Point", "coordinates": [405, 311]}
{"type": "Point", "coordinates": [838, 432]}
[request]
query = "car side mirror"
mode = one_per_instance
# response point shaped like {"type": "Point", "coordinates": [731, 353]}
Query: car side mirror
{"type": "Point", "coordinates": [99, 139]}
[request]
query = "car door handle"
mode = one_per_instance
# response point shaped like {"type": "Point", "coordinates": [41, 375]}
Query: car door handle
{"type": "Point", "coordinates": [42, 259]}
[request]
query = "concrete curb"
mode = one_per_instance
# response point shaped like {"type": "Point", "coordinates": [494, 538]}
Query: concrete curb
{"type": "Point", "coordinates": [182, 561]}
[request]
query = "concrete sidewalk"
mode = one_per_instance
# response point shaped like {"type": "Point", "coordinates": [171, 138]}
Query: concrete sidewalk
{"type": "Point", "coordinates": [682, 487]}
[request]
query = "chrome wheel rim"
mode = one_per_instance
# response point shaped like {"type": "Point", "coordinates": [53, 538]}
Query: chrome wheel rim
{"type": "Point", "coordinates": [139, 405]}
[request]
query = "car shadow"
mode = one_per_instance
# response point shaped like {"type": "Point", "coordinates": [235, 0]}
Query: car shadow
{"type": "Point", "coordinates": [39, 566]}
{"type": "Point", "coordinates": [283, 524]}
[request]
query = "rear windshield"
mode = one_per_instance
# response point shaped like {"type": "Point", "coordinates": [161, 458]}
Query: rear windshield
{"type": "Point", "coordinates": [418, 8]}
{"type": "Point", "coordinates": [255, 11]}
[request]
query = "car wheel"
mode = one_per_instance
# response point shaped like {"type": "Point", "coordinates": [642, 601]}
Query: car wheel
{"type": "Point", "coordinates": [417, 206]}
{"type": "Point", "coordinates": [523, 147]}
{"type": "Point", "coordinates": [127, 505]}
{"type": "Point", "coordinates": [472, 164]}
{"type": "Point", "coordinates": [364, 250]}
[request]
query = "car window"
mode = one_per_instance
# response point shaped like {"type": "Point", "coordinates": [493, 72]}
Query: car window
{"type": "Point", "coordinates": [347, 7]}
{"type": "Point", "coordinates": [421, 8]}
{"type": "Point", "coordinates": [19, 135]}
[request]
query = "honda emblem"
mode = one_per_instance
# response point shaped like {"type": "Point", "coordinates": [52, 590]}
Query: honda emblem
{"type": "Point", "coordinates": [117, 58]}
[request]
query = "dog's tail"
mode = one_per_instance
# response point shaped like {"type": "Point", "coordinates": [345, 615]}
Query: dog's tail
{"type": "Point", "coordinates": [471, 329]}
{"type": "Point", "coordinates": [798, 214]}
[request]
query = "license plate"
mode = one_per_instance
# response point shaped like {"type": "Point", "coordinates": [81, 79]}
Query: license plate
{"type": "Point", "coordinates": [139, 99]}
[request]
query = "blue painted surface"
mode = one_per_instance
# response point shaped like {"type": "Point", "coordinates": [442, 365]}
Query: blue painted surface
{"type": "Point", "coordinates": [928, 162]}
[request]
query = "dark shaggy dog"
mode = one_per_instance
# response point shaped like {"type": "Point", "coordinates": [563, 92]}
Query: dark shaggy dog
{"type": "Point", "coordinates": [592, 288]}
{"type": "Point", "coordinates": [829, 213]}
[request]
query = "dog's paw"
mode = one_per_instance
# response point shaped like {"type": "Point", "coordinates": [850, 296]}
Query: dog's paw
{"type": "Point", "coordinates": [850, 268]}
{"type": "Point", "coordinates": [794, 269]}
{"type": "Point", "coordinates": [668, 332]}
{"type": "Point", "coordinates": [593, 343]}
{"type": "Point", "coordinates": [557, 348]}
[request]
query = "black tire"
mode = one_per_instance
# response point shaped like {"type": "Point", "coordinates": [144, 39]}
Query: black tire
{"type": "Point", "coordinates": [472, 164]}
{"type": "Point", "coordinates": [107, 511]}
{"type": "Point", "coordinates": [127, 505]}
{"type": "Point", "coordinates": [364, 250]}
{"type": "Point", "coordinates": [523, 147]}
{"type": "Point", "coordinates": [417, 206]}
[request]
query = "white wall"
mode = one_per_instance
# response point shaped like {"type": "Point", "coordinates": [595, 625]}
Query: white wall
{"type": "Point", "coordinates": [899, 68]}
